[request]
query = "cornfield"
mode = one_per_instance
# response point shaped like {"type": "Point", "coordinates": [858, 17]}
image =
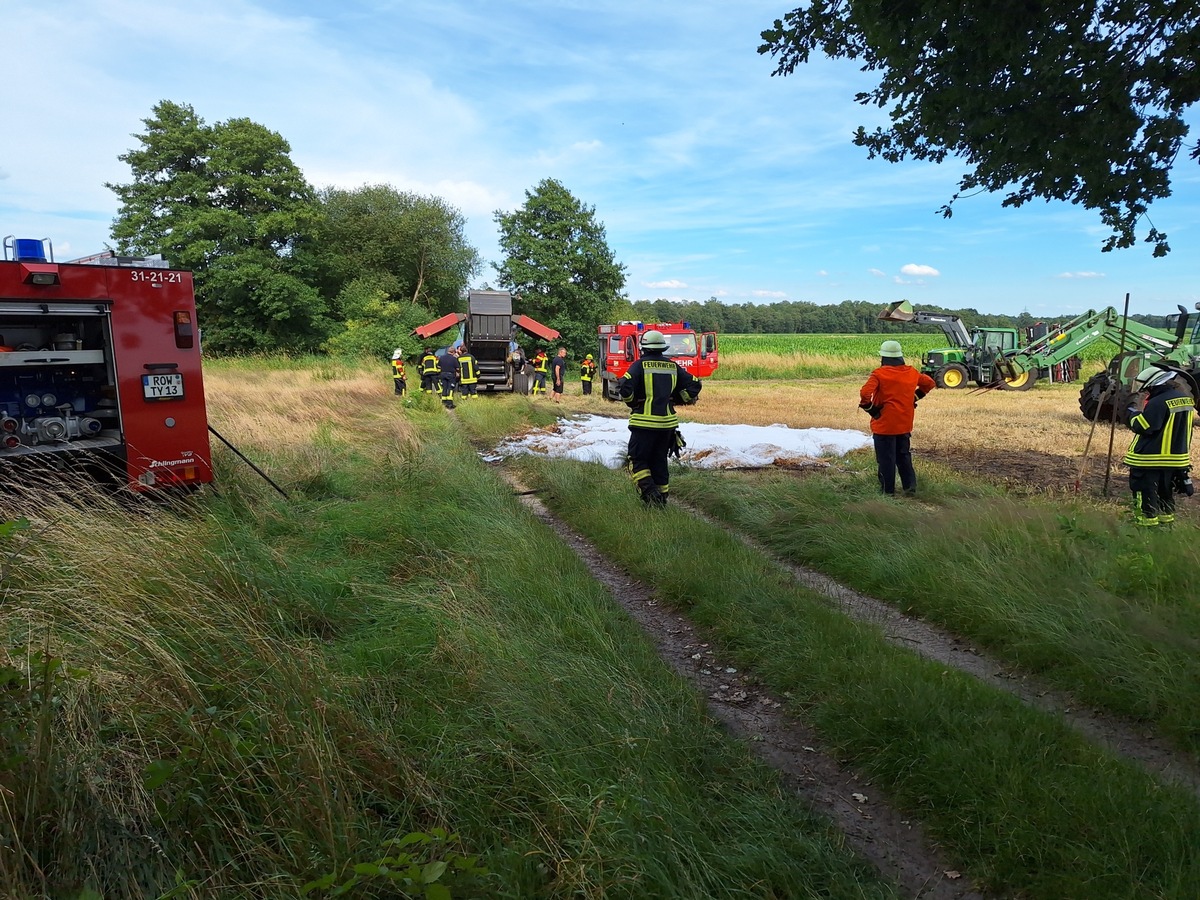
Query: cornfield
{"type": "Point", "coordinates": [781, 356]}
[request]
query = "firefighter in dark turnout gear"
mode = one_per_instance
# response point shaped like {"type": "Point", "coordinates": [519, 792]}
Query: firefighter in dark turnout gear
{"type": "Point", "coordinates": [468, 378]}
{"type": "Point", "coordinates": [1159, 458]}
{"type": "Point", "coordinates": [448, 377]}
{"type": "Point", "coordinates": [650, 388]}
{"type": "Point", "coordinates": [541, 365]}
{"type": "Point", "coordinates": [587, 371]}
{"type": "Point", "coordinates": [429, 372]}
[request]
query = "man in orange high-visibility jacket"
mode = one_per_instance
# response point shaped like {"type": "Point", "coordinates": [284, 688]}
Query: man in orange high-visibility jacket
{"type": "Point", "coordinates": [890, 397]}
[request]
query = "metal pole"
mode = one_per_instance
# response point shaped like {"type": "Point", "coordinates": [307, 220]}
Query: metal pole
{"type": "Point", "coordinates": [1112, 431]}
{"type": "Point", "coordinates": [242, 457]}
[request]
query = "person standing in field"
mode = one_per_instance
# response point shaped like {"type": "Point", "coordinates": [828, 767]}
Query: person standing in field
{"type": "Point", "coordinates": [541, 364]}
{"type": "Point", "coordinates": [468, 378]}
{"type": "Point", "coordinates": [558, 375]}
{"type": "Point", "coordinates": [1159, 458]}
{"type": "Point", "coordinates": [651, 387]}
{"type": "Point", "coordinates": [429, 372]}
{"type": "Point", "coordinates": [448, 376]}
{"type": "Point", "coordinates": [398, 378]}
{"type": "Point", "coordinates": [587, 371]}
{"type": "Point", "coordinates": [890, 397]}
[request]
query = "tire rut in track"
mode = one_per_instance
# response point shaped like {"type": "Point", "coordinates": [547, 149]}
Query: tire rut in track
{"type": "Point", "coordinates": [1122, 737]}
{"type": "Point", "coordinates": [893, 842]}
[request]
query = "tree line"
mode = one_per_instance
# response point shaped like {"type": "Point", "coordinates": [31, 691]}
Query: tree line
{"type": "Point", "coordinates": [281, 265]}
{"type": "Point", "coordinates": [799, 317]}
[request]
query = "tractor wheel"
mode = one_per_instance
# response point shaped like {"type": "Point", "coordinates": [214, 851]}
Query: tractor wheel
{"type": "Point", "coordinates": [952, 375]}
{"type": "Point", "coordinates": [1090, 396]}
{"type": "Point", "coordinates": [1022, 382]}
{"type": "Point", "coordinates": [1099, 404]}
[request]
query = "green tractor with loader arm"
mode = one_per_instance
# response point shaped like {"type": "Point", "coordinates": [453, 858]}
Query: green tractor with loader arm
{"type": "Point", "coordinates": [974, 355]}
{"type": "Point", "coordinates": [1104, 396]}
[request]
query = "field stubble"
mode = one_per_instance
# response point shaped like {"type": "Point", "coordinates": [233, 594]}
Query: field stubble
{"type": "Point", "coordinates": [1032, 439]}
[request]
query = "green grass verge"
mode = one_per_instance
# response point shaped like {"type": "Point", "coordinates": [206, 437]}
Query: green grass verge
{"type": "Point", "coordinates": [1018, 798]}
{"type": "Point", "coordinates": [244, 695]}
{"type": "Point", "coordinates": [1063, 588]}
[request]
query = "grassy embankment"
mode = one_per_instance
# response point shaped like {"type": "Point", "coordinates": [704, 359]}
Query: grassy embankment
{"type": "Point", "coordinates": [1019, 800]}
{"type": "Point", "coordinates": [239, 695]}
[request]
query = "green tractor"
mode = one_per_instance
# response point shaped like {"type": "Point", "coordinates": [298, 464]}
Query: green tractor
{"type": "Point", "coordinates": [975, 356]}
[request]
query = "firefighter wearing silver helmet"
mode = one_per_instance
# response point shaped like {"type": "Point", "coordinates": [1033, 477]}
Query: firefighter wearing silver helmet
{"type": "Point", "coordinates": [651, 388]}
{"type": "Point", "coordinates": [1159, 458]}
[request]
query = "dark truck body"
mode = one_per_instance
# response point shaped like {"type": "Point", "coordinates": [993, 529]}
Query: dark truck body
{"type": "Point", "coordinates": [489, 329]}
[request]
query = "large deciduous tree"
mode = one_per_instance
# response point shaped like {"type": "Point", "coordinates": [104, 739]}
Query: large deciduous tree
{"type": "Point", "coordinates": [558, 261]}
{"type": "Point", "coordinates": [1081, 101]}
{"type": "Point", "coordinates": [227, 202]}
{"type": "Point", "coordinates": [392, 260]}
{"type": "Point", "coordinates": [413, 243]}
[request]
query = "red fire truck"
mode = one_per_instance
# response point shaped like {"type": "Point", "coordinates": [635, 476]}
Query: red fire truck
{"type": "Point", "coordinates": [100, 369]}
{"type": "Point", "coordinates": [619, 347]}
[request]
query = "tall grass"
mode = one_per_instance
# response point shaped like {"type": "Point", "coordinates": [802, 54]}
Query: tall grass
{"type": "Point", "coordinates": [1060, 587]}
{"type": "Point", "coordinates": [242, 695]}
{"type": "Point", "coordinates": [1020, 800]}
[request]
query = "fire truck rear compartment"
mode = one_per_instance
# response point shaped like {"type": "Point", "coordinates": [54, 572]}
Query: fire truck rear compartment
{"type": "Point", "coordinates": [58, 390]}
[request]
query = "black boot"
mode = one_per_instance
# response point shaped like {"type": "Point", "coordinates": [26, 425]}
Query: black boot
{"type": "Point", "coordinates": [652, 496]}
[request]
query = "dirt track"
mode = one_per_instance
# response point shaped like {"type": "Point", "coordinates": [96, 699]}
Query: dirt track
{"type": "Point", "coordinates": [1035, 442]}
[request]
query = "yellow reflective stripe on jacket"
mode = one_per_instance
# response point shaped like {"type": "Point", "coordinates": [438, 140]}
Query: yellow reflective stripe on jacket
{"type": "Point", "coordinates": [651, 403]}
{"type": "Point", "coordinates": [1169, 449]}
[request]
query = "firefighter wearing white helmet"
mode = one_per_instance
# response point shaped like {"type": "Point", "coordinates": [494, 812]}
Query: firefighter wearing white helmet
{"type": "Point", "coordinates": [398, 376]}
{"type": "Point", "coordinates": [890, 398]}
{"type": "Point", "coordinates": [651, 388]}
{"type": "Point", "coordinates": [1159, 458]}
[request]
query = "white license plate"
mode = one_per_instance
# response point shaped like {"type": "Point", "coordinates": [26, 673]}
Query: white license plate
{"type": "Point", "coordinates": [162, 387]}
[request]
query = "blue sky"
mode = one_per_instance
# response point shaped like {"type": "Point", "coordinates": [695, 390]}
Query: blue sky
{"type": "Point", "coordinates": [711, 177]}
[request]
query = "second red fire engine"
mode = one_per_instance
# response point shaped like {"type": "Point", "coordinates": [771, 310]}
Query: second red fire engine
{"type": "Point", "coordinates": [619, 348]}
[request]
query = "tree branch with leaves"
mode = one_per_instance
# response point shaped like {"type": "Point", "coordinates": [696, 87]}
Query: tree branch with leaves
{"type": "Point", "coordinates": [1077, 101]}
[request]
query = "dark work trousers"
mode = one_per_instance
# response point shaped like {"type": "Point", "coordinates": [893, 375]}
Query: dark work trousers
{"type": "Point", "coordinates": [648, 449]}
{"type": "Point", "coordinates": [587, 387]}
{"type": "Point", "coordinates": [447, 383]}
{"type": "Point", "coordinates": [1154, 489]}
{"type": "Point", "coordinates": [893, 452]}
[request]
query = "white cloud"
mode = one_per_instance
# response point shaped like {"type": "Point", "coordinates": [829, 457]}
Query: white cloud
{"type": "Point", "coordinates": [878, 273]}
{"type": "Point", "coordinates": [822, 272]}
{"type": "Point", "coordinates": [1080, 275]}
{"type": "Point", "coordinates": [916, 269]}
{"type": "Point", "coordinates": [777, 295]}
{"type": "Point", "coordinates": [673, 283]}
